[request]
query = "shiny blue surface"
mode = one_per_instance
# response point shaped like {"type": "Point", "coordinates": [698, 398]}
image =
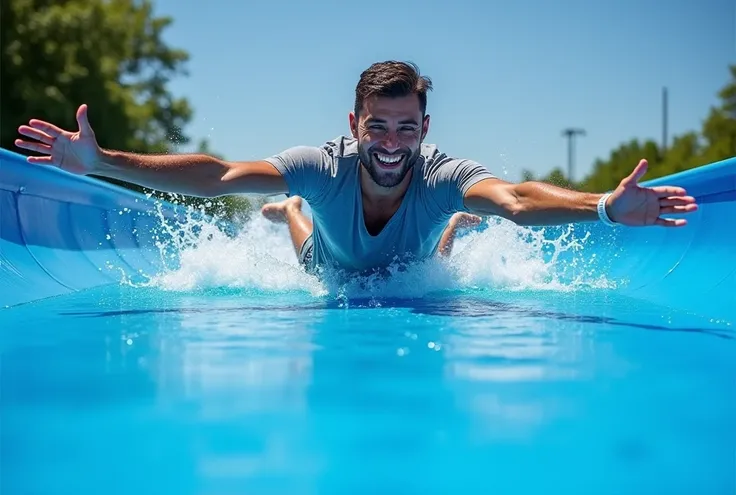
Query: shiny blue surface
{"type": "Point", "coordinates": [59, 232]}
{"type": "Point", "coordinates": [267, 388]}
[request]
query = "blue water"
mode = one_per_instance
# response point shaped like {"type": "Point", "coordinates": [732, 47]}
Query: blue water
{"type": "Point", "coordinates": [140, 355]}
{"type": "Point", "coordinates": [143, 391]}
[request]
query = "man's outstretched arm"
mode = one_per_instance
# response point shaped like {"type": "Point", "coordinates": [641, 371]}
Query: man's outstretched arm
{"type": "Point", "coordinates": [537, 203]}
{"type": "Point", "coordinates": [531, 203]}
{"type": "Point", "coordinates": [190, 174]}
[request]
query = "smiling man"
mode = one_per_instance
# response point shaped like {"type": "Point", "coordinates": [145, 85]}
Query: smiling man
{"type": "Point", "coordinates": [381, 195]}
{"type": "Point", "coordinates": [378, 196]}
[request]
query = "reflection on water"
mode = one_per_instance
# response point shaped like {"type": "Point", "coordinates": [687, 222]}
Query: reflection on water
{"type": "Point", "coordinates": [454, 306]}
{"type": "Point", "coordinates": [483, 392]}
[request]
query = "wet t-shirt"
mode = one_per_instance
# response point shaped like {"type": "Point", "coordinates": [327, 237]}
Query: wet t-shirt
{"type": "Point", "coordinates": [328, 178]}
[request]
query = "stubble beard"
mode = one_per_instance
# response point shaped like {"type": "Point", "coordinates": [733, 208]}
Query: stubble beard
{"type": "Point", "coordinates": [387, 178]}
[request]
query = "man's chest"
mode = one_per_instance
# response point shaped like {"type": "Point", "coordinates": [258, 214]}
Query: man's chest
{"type": "Point", "coordinates": [376, 220]}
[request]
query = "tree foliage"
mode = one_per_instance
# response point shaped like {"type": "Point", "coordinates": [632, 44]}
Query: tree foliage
{"type": "Point", "coordinates": [110, 54]}
{"type": "Point", "coordinates": [714, 142]}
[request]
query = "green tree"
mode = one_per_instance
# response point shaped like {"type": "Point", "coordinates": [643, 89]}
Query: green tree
{"type": "Point", "coordinates": [527, 175]}
{"type": "Point", "coordinates": [558, 178]}
{"type": "Point", "coordinates": [58, 54]}
{"type": "Point", "coordinates": [719, 135]}
{"type": "Point", "coordinates": [716, 141]}
{"type": "Point", "coordinates": [685, 153]}
{"type": "Point", "coordinates": [608, 173]}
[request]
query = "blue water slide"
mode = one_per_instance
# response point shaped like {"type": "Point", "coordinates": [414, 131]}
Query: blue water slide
{"type": "Point", "coordinates": [61, 233]}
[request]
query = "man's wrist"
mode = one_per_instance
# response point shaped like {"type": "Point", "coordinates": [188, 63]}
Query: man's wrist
{"type": "Point", "coordinates": [113, 162]}
{"type": "Point", "coordinates": [100, 164]}
{"type": "Point", "coordinates": [602, 208]}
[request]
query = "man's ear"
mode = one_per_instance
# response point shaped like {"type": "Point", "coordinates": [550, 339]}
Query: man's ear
{"type": "Point", "coordinates": [353, 122]}
{"type": "Point", "coordinates": [425, 126]}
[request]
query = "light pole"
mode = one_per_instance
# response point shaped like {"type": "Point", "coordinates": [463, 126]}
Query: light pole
{"type": "Point", "coordinates": [570, 134]}
{"type": "Point", "coordinates": [665, 107]}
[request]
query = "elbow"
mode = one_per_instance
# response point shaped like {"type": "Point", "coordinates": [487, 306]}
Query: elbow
{"type": "Point", "coordinates": [499, 199]}
{"type": "Point", "coordinates": [520, 208]}
{"type": "Point", "coordinates": [514, 208]}
{"type": "Point", "coordinates": [208, 189]}
{"type": "Point", "coordinates": [216, 181]}
{"type": "Point", "coordinates": [518, 214]}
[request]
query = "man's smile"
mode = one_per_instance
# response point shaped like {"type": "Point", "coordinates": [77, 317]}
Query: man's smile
{"type": "Point", "coordinates": [389, 161]}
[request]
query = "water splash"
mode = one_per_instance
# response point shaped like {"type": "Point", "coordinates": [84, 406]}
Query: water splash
{"type": "Point", "coordinates": [198, 254]}
{"type": "Point", "coordinates": [511, 257]}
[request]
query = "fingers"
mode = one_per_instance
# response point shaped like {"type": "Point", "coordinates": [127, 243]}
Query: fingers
{"type": "Point", "coordinates": [683, 200]}
{"type": "Point", "coordinates": [674, 206]}
{"type": "Point", "coordinates": [37, 128]}
{"type": "Point", "coordinates": [679, 209]}
{"type": "Point", "coordinates": [35, 134]}
{"type": "Point", "coordinates": [42, 160]}
{"type": "Point", "coordinates": [83, 120]}
{"type": "Point", "coordinates": [32, 146]}
{"type": "Point", "coordinates": [684, 204]}
{"type": "Point", "coordinates": [671, 222]}
{"type": "Point", "coordinates": [636, 175]}
{"type": "Point", "coordinates": [664, 191]}
{"type": "Point", "coordinates": [46, 127]}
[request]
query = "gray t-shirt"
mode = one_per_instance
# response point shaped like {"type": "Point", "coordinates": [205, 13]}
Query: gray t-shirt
{"type": "Point", "coordinates": [328, 178]}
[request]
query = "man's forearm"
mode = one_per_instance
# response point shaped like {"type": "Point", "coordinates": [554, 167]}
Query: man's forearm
{"type": "Point", "coordinates": [189, 174]}
{"type": "Point", "coordinates": [538, 203]}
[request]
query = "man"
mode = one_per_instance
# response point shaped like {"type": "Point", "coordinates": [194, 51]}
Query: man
{"type": "Point", "coordinates": [378, 196]}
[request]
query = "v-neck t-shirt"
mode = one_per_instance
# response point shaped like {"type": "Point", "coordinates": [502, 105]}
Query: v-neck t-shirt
{"type": "Point", "coordinates": [328, 178]}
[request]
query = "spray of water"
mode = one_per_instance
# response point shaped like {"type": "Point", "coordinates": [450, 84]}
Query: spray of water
{"type": "Point", "coordinates": [198, 254]}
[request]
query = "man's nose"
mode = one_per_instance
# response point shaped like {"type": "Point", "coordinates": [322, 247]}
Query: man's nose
{"type": "Point", "coordinates": [391, 142]}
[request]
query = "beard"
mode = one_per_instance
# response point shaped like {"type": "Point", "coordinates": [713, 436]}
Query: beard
{"type": "Point", "coordinates": [382, 176]}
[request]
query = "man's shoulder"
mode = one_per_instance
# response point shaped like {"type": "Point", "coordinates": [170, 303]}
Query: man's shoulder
{"type": "Point", "coordinates": [340, 147]}
{"type": "Point", "coordinates": [443, 168]}
{"type": "Point", "coordinates": [429, 151]}
{"type": "Point", "coordinates": [436, 160]}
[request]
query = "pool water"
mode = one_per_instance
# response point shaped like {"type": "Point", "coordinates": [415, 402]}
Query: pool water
{"type": "Point", "coordinates": [516, 366]}
{"type": "Point", "coordinates": [217, 389]}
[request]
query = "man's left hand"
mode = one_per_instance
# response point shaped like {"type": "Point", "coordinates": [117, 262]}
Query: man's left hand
{"type": "Point", "coordinates": [633, 205]}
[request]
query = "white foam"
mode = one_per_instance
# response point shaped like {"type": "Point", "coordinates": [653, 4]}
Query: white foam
{"type": "Point", "coordinates": [261, 259]}
{"type": "Point", "coordinates": [519, 258]}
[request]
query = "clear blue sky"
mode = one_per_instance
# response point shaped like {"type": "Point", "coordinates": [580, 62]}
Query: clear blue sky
{"type": "Point", "coordinates": [508, 75]}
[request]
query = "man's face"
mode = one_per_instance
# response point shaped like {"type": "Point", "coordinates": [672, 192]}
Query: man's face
{"type": "Point", "coordinates": [389, 133]}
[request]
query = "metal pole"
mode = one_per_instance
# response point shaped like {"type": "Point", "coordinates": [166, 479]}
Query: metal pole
{"type": "Point", "coordinates": [664, 120]}
{"type": "Point", "coordinates": [570, 134]}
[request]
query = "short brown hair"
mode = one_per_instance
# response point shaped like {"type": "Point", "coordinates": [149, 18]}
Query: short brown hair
{"type": "Point", "coordinates": [392, 79]}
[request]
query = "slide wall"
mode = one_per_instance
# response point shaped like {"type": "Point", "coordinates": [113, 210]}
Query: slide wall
{"type": "Point", "coordinates": [61, 233]}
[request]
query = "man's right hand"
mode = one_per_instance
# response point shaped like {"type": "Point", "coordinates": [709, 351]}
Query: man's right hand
{"type": "Point", "coordinates": [75, 152]}
{"type": "Point", "coordinates": [194, 174]}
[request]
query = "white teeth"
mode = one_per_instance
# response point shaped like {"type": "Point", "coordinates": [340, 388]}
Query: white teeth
{"type": "Point", "coordinates": [388, 158]}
